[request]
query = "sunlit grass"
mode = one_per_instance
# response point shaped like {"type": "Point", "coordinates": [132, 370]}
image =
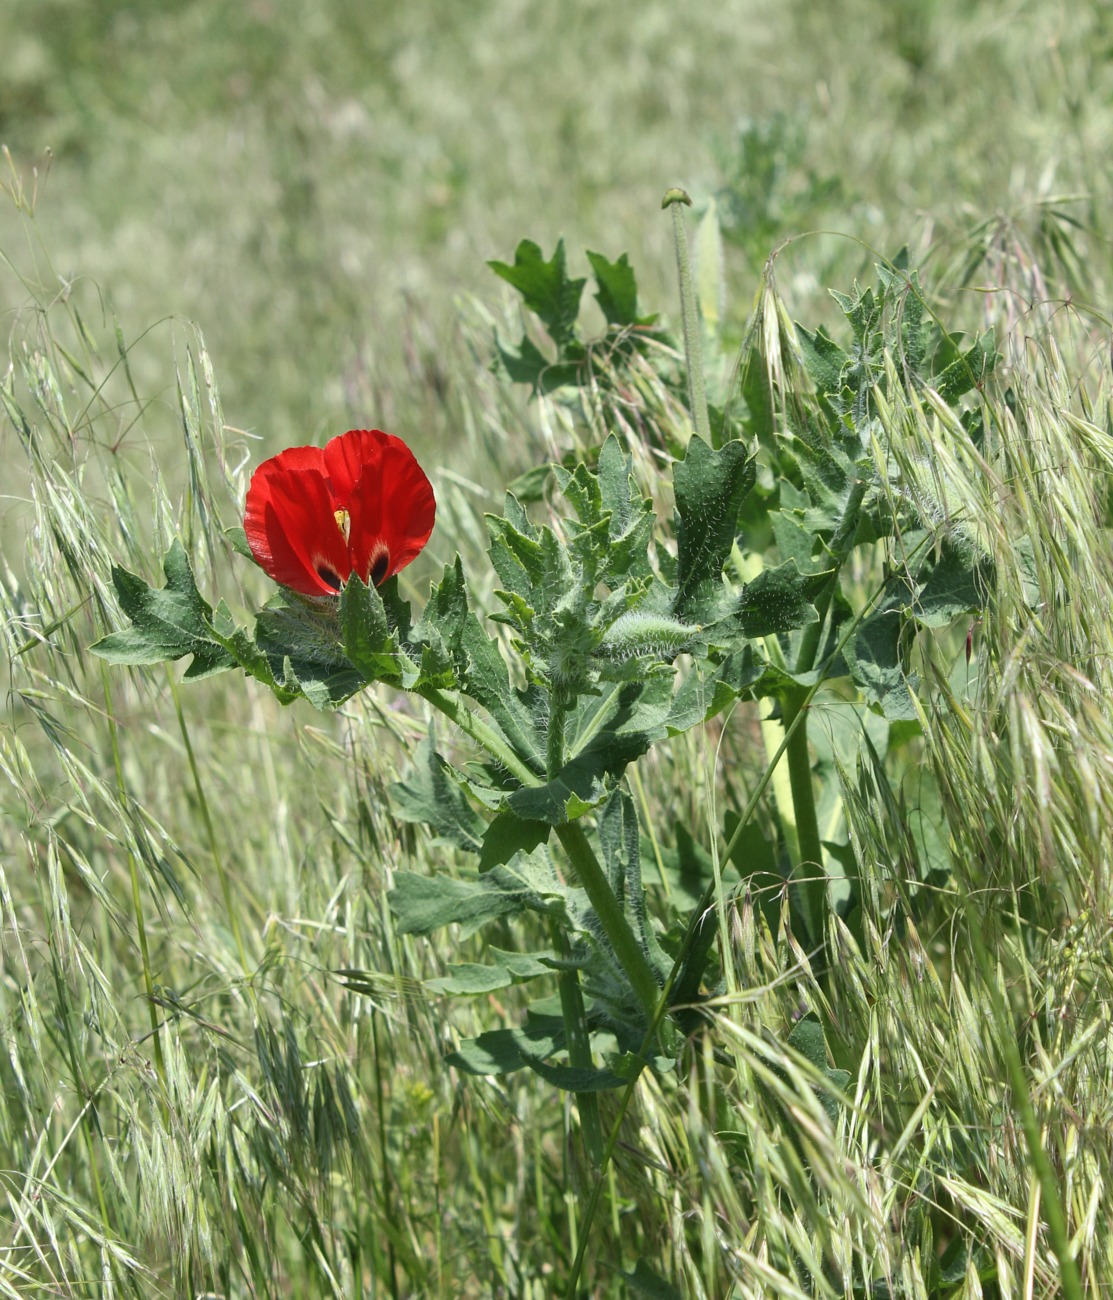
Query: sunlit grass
{"type": "Point", "coordinates": [194, 1097]}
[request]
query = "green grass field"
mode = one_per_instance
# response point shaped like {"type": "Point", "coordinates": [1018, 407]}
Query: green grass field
{"type": "Point", "coordinates": [223, 1068]}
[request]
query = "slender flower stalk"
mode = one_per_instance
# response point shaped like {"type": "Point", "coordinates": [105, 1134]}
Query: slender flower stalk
{"type": "Point", "coordinates": [689, 312]}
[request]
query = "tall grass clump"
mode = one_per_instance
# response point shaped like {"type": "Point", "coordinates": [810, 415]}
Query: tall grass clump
{"type": "Point", "coordinates": [193, 1099]}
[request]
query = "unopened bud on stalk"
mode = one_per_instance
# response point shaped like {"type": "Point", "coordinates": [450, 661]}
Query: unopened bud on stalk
{"type": "Point", "coordinates": [640, 633]}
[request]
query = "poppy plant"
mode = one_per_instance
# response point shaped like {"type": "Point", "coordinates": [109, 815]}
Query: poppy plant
{"type": "Point", "coordinates": [316, 515]}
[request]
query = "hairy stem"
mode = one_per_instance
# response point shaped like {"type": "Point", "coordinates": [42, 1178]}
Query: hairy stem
{"type": "Point", "coordinates": [558, 712]}
{"type": "Point", "coordinates": [809, 862]}
{"type": "Point", "coordinates": [611, 916]}
{"type": "Point", "coordinates": [689, 312]}
{"type": "Point", "coordinates": [579, 1045]}
{"type": "Point", "coordinates": [812, 881]}
{"type": "Point", "coordinates": [481, 733]}
{"type": "Point", "coordinates": [568, 980]}
{"type": "Point", "coordinates": [749, 567]}
{"type": "Point", "coordinates": [838, 549]}
{"type": "Point", "coordinates": [697, 920]}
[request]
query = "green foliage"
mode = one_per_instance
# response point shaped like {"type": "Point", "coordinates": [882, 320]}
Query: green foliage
{"type": "Point", "coordinates": [710, 488]}
{"type": "Point", "coordinates": [553, 297]}
{"type": "Point", "coordinates": [166, 623]}
{"type": "Point", "coordinates": [545, 288]}
{"type": "Point", "coordinates": [769, 185]}
{"type": "Point", "coordinates": [596, 631]}
{"type": "Point", "coordinates": [620, 636]}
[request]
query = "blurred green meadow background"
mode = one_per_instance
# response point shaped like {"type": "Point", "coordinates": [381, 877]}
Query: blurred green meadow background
{"type": "Point", "coordinates": [317, 185]}
{"type": "Point", "coordinates": [280, 215]}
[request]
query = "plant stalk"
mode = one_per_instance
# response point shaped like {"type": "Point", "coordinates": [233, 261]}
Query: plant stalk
{"type": "Point", "coordinates": [809, 862]}
{"type": "Point", "coordinates": [689, 314]}
{"type": "Point", "coordinates": [749, 567]}
{"type": "Point", "coordinates": [481, 733]}
{"type": "Point", "coordinates": [558, 712]}
{"type": "Point", "coordinates": [838, 549]}
{"type": "Point", "coordinates": [572, 1008]}
{"type": "Point", "coordinates": [611, 916]}
{"type": "Point", "coordinates": [812, 879]}
{"type": "Point", "coordinates": [579, 1045]}
{"type": "Point", "coordinates": [575, 842]}
{"type": "Point", "coordinates": [698, 918]}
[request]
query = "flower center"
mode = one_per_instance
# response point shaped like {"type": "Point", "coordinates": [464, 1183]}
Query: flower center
{"type": "Point", "coordinates": [343, 522]}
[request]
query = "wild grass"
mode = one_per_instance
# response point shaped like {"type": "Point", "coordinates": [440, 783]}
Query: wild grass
{"type": "Point", "coordinates": [222, 1066]}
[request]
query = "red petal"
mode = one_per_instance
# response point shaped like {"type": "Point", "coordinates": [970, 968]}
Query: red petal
{"type": "Point", "coordinates": [391, 506]}
{"type": "Point", "coordinates": [346, 457]}
{"type": "Point", "coordinates": [290, 524]}
{"type": "Point", "coordinates": [294, 460]}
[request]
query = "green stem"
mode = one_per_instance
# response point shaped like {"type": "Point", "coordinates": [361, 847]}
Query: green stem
{"type": "Point", "coordinates": [809, 862]}
{"type": "Point", "coordinates": [611, 916]}
{"type": "Point", "coordinates": [689, 313]}
{"type": "Point", "coordinates": [384, 1156]}
{"type": "Point", "coordinates": [749, 567]}
{"type": "Point", "coordinates": [838, 549]}
{"type": "Point", "coordinates": [481, 733]}
{"type": "Point", "coordinates": [595, 883]}
{"type": "Point", "coordinates": [579, 1045]}
{"type": "Point", "coordinates": [571, 835]}
{"type": "Point", "coordinates": [809, 866]}
{"type": "Point", "coordinates": [568, 980]}
{"type": "Point", "coordinates": [558, 712]}
{"type": "Point", "coordinates": [698, 917]}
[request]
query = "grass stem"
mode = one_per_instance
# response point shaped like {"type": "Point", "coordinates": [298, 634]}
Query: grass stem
{"type": "Point", "coordinates": [210, 833]}
{"type": "Point", "coordinates": [133, 872]}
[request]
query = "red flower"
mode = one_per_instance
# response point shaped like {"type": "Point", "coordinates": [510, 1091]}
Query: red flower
{"type": "Point", "coordinates": [361, 504]}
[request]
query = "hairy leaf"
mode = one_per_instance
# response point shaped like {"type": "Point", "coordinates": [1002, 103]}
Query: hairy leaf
{"type": "Point", "coordinates": [710, 488]}
{"type": "Point", "coordinates": [431, 794]}
{"type": "Point", "coordinates": [953, 585]}
{"type": "Point", "coordinates": [546, 288]}
{"type": "Point", "coordinates": [617, 292]}
{"type": "Point", "coordinates": [508, 835]}
{"type": "Point", "coordinates": [166, 623]}
{"type": "Point", "coordinates": [502, 1051]}
{"type": "Point", "coordinates": [422, 904]}
{"type": "Point", "coordinates": [367, 638]}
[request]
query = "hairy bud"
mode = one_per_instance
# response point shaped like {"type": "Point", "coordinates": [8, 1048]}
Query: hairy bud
{"type": "Point", "coordinates": [637, 634]}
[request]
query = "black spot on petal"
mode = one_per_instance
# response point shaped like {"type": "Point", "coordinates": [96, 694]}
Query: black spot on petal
{"type": "Point", "coordinates": [328, 577]}
{"type": "Point", "coordinates": [380, 565]}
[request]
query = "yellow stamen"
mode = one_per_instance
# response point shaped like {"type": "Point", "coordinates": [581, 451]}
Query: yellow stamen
{"type": "Point", "coordinates": [342, 522]}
